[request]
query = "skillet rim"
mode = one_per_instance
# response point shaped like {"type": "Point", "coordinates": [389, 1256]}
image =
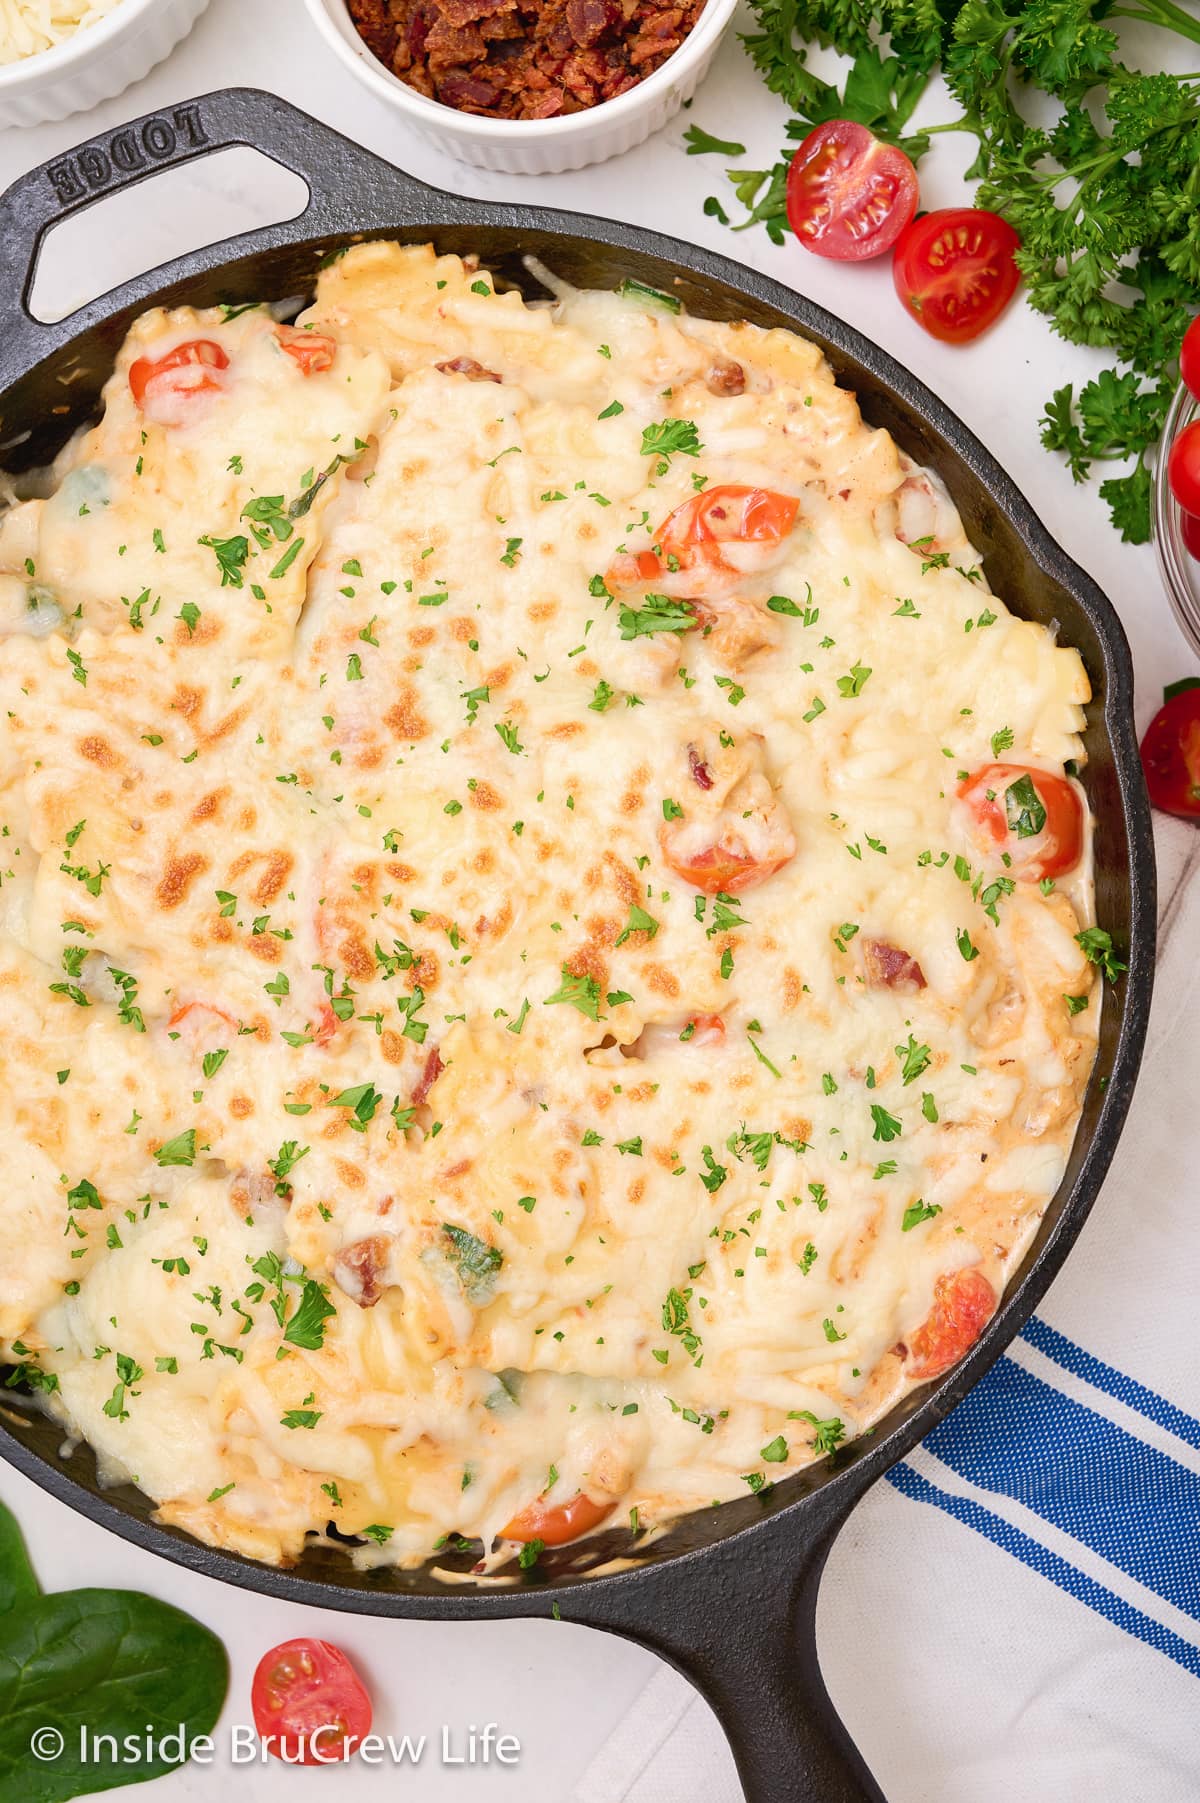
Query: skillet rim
{"type": "Point", "coordinates": [412, 208]}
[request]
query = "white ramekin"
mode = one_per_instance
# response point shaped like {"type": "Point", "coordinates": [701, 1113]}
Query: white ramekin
{"type": "Point", "coordinates": [535, 146]}
{"type": "Point", "coordinates": [97, 63]}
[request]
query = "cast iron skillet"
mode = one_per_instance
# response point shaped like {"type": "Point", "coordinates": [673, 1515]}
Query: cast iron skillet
{"type": "Point", "coordinates": [729, 1594]}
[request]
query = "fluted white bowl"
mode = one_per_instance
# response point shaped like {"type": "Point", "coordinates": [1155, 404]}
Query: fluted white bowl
{"type": "Point", "coordinates": [97, 63]}
{"type": "Point", "coordinates": [535, 146]}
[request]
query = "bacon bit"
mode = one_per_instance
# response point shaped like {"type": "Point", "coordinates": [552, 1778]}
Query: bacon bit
{"type": "Point", "coordinates": [467, 366]}
{"type": "Point", "coordinates": [255, 1189]}
{"type": "Point", "coordinates": [590, 20]}
{"type": "Point", "coordinates": [735, 629]}
{"type": "Point", "coordinates": [358, 1269]}
{"type": "Point", "coordinates": [890, 968]}
{"type": "Point", "coordinates": [429, 1076]}
{"type": "Point", "coordinates": [725, 377]}
{"type": "Point", "coordinates": [701, 773]}
{"type": "Point", "coordinates": [523, 59]}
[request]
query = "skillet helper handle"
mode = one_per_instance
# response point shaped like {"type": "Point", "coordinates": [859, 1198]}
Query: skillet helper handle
{"type": "Point", "coordinates": [345, 183]}
{"type": "Point", "coordinates": [739, 1621]}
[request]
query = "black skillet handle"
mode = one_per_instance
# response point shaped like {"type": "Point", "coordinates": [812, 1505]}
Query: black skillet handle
{"type": "Point", "coordinates": [345, 184]}
{"type": "Point", "coordinates": [739, 1621]}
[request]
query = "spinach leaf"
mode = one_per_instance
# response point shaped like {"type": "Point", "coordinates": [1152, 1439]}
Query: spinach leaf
{"type": "Point", "coordinates": [476, 1262]}
{"type": "Point", "coordinates": [114, 1661]}
{"type": "Point", "coordinates": [17, 1581]}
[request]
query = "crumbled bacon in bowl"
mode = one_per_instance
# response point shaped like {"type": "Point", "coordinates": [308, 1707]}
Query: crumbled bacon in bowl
{"type": "Point", "coordinates": [523, 59]}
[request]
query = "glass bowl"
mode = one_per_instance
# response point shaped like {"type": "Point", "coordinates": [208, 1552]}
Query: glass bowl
{"type": "Point", "coordinates": [1180, 570]}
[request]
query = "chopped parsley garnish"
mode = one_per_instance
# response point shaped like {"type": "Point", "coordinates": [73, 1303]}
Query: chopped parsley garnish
{"type": "Point", "coordinates": [580, 992]}
{"type": "Point", "coordinates": [1097, 947]}
{"type": "Point", "coordinates": [630, 289]}
{"type": "Point", "coordinates": [363, 1100]}
{"type": "Point", "coordinates": [669, 438]}
{"type": "Point", "coordinates": [886, 1126]}
{"type": "Point", "coordinates": [827, 1435]}
{"type": "Point", "coordinates": [853, 684]}
{"type": "Point", "coordinates": [180, 1150]}
{"type": "Point", "coordinates": [913, 1058]}
{"type": "Point", "coordinates": [639, 922]}
{"type": "Point", "coordinates": [307, 1325]}
{"type": "Point", "coordinates": [659, 614]}
{"type": "Point", "coordinates": [714, 1174]}
{"type": "Point", "coordinates": [231, 555]}
{"type": "Point", "coordinates": [1023, 808]}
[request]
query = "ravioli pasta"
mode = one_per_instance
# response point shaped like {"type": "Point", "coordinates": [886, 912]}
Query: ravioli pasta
{"type": "Point", "coordinates": [514, 1011]}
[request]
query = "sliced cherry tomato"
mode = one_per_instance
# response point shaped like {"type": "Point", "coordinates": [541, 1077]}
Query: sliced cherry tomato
{"type": "Point", "coordinates": [963, 1302]}
{"type": "Point", "coordinates": [849, 196]}
{"type": "Point", "coordinates": [1189, 357]}
{"type": "Point", "coordinates": [955, 271]}
{"type": "Point", "coordinates": [1190, 525]}
{"type": "Point", "coordinates": [724, 868]}
{"type": "Point", "coordinates": [706, 1029]}
{"type": "Point", "coordinates": [310, 1705]}
{"type": "Point", "coordinates": [311, 352]}
{"type": "Point", "coordinates": [192, 1009]}
{"type": "Point", "coordinates": [163, 387]}
{"type": "Point", "coordinates": [327, 1025]}
{"type": "Point", "coordinates": [1171, 755]}
{"type": "Point", "coordinates": [1036, 818]}
{"type": "Point", "coordinates": [1183, 468]}
{"type": "Point", "coordinates": [694, 533]}
{"type": "Point", "coordinates": [555, 1526]}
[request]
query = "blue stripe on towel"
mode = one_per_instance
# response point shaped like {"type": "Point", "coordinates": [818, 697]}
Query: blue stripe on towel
{"type": "Point", "coordinates": [1019, 1437]}
{"type": "Point", "coordinates": [1104, 1377]}
{"type": "Point", "coordinates": [1050, 1565]}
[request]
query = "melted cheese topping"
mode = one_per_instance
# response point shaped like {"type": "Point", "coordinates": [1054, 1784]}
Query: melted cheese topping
{"type": "Point", "coordinates": [393, 1135]}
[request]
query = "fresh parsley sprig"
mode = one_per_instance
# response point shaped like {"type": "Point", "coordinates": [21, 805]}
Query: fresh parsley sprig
{"type": "Point", "coordinates": [1104, 195]}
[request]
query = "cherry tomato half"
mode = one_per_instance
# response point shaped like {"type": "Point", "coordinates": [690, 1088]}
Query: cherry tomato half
{"type": "Point", "coordinates": [726, 867]}
{"type": "Point", "coordinates": [1183, 468]}
{"type": "Point", "coordinates": [191, 1010]}
{"type": "Point", "coordinates": [1190, 527]}
{"type": "Point", "coordinates": [955, 272]}
{"type": "Point", "coordinates": [1171, 755]}
{"type": "Point", "coordinates": [1036, 818]}
{"type": "Point", "coordinates": [163, 386]}
{"type": "Point", "coordinates": [694, 533]}
{"type": "Point", "coordinates": [849, 196]}
{"type": "Point", "coordinates": [1189, 357]}
{"type": "Point", "coordinates": [307, 1697]}
{"type": "Point", "coordinates": [555, 1526]}
{"type": "Point", "coordinates": [963, 1302]}
{"type": "Point", "coordinates": [310, 351]}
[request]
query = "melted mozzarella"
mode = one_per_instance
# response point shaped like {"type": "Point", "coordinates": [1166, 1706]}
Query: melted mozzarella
{"type": "Point", "coordinates": [393, 1133]}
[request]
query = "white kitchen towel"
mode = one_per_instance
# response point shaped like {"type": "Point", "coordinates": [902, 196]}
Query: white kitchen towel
{"type": "Point", "coordinates": [1014, 1614]}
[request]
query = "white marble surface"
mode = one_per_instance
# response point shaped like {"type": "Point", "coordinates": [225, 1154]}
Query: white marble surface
{"type": "Point", "coordinates": [560, 1689]}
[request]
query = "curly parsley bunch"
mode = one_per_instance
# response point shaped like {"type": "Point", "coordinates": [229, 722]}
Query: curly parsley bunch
{"type": "Point", "coordinates": [1106, 198]}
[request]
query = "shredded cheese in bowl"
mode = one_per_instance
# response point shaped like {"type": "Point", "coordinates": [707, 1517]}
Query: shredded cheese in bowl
{"type": "Point", "coordinates": [27, 27]}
